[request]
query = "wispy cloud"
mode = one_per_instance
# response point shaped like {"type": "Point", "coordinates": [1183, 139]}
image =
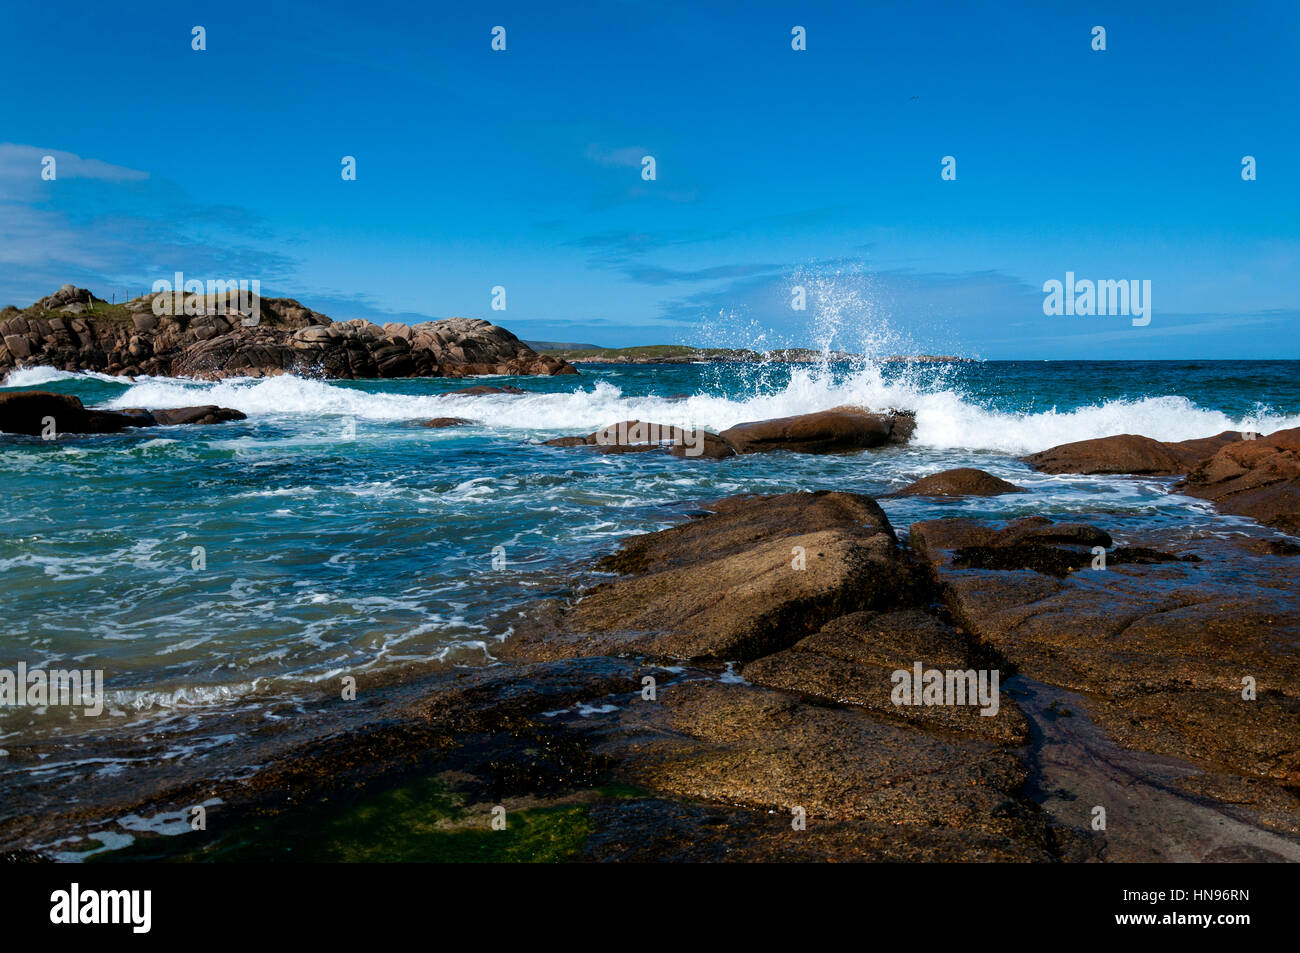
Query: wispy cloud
{"type": "Point", "coordinates": [116, 229]}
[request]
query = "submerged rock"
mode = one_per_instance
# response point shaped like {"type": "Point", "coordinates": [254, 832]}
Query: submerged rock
{"type": "Point", "coordinates": [484, 390]}
{"type": "Point", "coordinates": [438, 423]}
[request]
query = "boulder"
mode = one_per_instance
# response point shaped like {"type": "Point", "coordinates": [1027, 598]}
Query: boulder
{"type": "Point", "coordinates": [25, 412]}
{"type": "Point", "coordinates": [29, 412]}
{"type": "Point", "coordinates": [206, 414]}
{"type": "Point", "coordinates": [438, 423]}
{"type": "Point", "coordinates": [753, 577]}
{"type": "Point", "coordinates": [1129, 453]}
{"type": "Point", "coordinates": [963, 481]}
{"type": "Point", "coordinates": [636, 436]}
{"type": "Point", "coordinates": [1258, 478]}
{"type": "Point", "coordinates": [839, 430]}
{"type": "Point", "coordinates": [482, 390]}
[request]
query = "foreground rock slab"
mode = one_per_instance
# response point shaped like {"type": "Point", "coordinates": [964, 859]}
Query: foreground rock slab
{"type": "Point", "coordinates": [752, 577]}
{"type": "Point", "coordinates": [1164, 648]}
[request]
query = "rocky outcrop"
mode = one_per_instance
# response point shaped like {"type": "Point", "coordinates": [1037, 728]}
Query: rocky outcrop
{"type": "Point", "coordinates": [963, 481]}
{"type": "Point", "coordinates": [1258, 478]}
{"type": "Point", "coordinates": [804, 754]}
{"type": "Point", "coordinates": [752, 577]}
{"type": "Point", "coordinates": [439, 423]}
{"type": "Point", "coordinates": [839, 430]}
{"type": "Point", "coordinates": [73, 330]}
{"type": "Point", "coordinates": [1129, 453]}
{"type": "Point", "coordinates": [1162, 644]}
{"type": "Point", "coordinates": [42, 413]}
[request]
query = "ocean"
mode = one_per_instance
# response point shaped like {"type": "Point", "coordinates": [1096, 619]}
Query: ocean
{"type": "Point", "coordinates": [247, 567]}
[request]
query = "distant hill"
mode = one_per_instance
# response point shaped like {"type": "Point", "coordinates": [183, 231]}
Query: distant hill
{"type": "Point", "coordinates": [555, 346]}
{"type": "Point", "coordinates": [685, 354]}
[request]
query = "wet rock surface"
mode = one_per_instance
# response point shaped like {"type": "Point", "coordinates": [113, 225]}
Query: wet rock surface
{"type": "Point", "coordinates": [1258, 478]}
{"type": "Point", "coordinates": [839, 430]}
{"type": "Point", "coordinates": [750, 578]}
{"type": "Point", "coordinates": [1161, 648]}
{"type": "Point", "coordinates": [963, 481]}
{"type": "Point", "coordinates": [614, 721]}
{"type": "Point", "coordinates": [37, 413]}
{"type": "Point", "coordinates": [637, 436]}
{"type": "Point", "coordinates": [1129, 453]}
{"type": "Point", "coordinates": [75, 331]}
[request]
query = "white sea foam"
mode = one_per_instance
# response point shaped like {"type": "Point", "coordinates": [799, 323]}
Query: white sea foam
{"type": "Point", "coordinates": [946, 418]}
{"type": "Point", "coordinates": [35, 376]}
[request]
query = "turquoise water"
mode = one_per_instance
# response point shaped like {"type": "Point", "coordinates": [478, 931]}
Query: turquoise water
{"type": "Point", "coordinates": [341, 536]}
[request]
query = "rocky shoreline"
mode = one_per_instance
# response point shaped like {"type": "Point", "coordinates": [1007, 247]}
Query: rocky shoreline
{"type": "Point", "coordinates": [729, 688]}
{"type": "Point", "coordinates": [211, 339]}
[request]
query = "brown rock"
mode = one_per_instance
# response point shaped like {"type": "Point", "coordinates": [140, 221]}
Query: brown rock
{"type": "Point", "coordinates": [1258, 478]}
{"type": "Point", "coordinates": [764, 750]}
{"type": "Point", "coordinates": [963, 481]}
{"type": "Point", "coordinates": [726, 586]}
{"type": "Point", "coordinates": [24, 412]}
{"type": "Point", "coordinates": [439, 422]}
{"type": "Point", "coordinates": [636, 436]}
{"type": "Point", "coordinates": [1161, 647]}
{"type": "Point", "coordinates": [841, 430]}
{"type": "Point", "coordinates": [1129, 453]}
{"type": "Point", "coordinates": [851, 661]}
{"type": "Point", "coordinates": [285, 337]}
{"type": "Point", "coordinates": [207, 414]}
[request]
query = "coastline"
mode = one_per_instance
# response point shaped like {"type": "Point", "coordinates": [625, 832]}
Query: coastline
{"type": "Point", "coordinates": [553, 731]}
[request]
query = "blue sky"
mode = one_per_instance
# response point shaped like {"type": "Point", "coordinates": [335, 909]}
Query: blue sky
{"type": "Point", "coordinates": [522, 168]}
